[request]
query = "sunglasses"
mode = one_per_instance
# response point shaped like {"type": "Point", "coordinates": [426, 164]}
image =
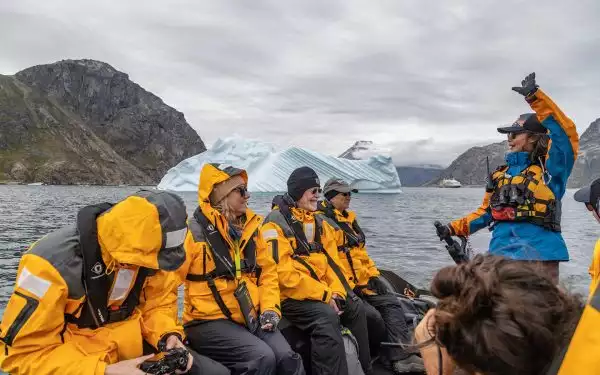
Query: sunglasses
{"type": "Point", "coordinates": [315, 191]}
{"type": "Point", "coordinates": [243, 190]}
{"type": "Point", "coordinates": [348, 194]}
{"type": "Point", "coordinates": [513, 135]}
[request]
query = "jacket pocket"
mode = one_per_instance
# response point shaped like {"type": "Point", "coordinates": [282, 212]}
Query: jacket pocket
{"type": "Point", "coordinates": [202, 300]}
{"type": "Point", "coordinates": [201, 288]}
{"type": "Point", "coordinates": [93, 342]}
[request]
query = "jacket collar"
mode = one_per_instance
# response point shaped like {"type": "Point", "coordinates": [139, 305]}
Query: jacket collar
{"type": "Point", "coordinates": [302, 214]}
{"type": "Point", "coordinates": [518, 159]}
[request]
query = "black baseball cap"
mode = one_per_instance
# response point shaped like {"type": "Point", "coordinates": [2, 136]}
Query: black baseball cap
{"type": "Point", "coordinates": [590, 194]}
{"type": "Point", "coordinates": [526, 122]}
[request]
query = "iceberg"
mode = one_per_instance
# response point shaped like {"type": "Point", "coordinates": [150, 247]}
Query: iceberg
{"type": "Point", "coordinates": [268, 169]}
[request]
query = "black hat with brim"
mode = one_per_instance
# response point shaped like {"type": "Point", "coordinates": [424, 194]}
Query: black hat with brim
{"type": "Point", "coordinates": [527, 122]}
{"type": "Point", "coordinates": [589, 194]}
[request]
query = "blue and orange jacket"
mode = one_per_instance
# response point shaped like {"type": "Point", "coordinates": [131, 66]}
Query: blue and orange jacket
{"type": "Point", "coordinates": [523, 240]}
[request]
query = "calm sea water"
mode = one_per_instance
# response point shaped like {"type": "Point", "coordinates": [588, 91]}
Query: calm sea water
{"type": "Point", "coordinates": [399, 227]}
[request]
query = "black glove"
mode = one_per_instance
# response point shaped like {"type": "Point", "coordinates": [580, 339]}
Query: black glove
{"type": "Point", "coordinates": [444, 231]}
{"type": "Point", "coordinates": [269, 317]}
{"type": "Point", "coordinates": [528, 86]}
{"type": "Point", "coordinates": [376, 285]}
{"type": "Point", "coordinates": [162, 343]}
{"type": "Point", "coordinates": [340, 302]}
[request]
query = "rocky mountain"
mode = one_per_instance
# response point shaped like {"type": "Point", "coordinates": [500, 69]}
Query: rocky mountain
{"type": "Point", "coordinates": [587, 166]}
{"type": "Point", "coordinates": [470, 167]}
{"type": "Point", "coordinates": [418, 175]}
{"type": "Point", "coordinates": [82, 121]}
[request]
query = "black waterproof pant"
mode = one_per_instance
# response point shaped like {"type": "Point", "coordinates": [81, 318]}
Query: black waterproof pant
{"type": "Point", "coordinates": [323, 325]}
{"type": "Point", "coordinates": [376, 327]}
{"type": "Point", "coordinates": [392, 315]}
{"type": "Point", "coordinates": [242, 352]}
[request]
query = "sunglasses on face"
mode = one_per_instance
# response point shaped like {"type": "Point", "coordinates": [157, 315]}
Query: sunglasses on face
{"type": "Point", "coordinates": [513, 135]}
{"type": "Point", "coordinates": [242, 190]}
{"type": "Point", "coordinates": [315, 191]}
{"type": "Point", "coordinates": [348, 194]}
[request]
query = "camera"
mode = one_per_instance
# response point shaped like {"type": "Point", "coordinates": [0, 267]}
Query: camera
{"type": "Point", "coordinates": [166, 362]}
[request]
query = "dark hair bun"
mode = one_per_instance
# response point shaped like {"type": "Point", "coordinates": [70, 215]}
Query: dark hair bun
{"type": "Point", "coordinates": [499, 316]}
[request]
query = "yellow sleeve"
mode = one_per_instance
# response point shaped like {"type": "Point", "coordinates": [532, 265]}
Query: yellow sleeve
{"type": "Point", "coordinates": [159, 307]}
{"type": "Point", "coordinates": [340, 237]}
{"type": "Point", "coordinates": [564, 141]}
{"type": "Point", "coordinates": [549, 114]}
{"type": "Point", "coordinates": [594, 269]}
{"type": "Point", "coordinates": [367, 262]}
{"type": "Point", "coordinates": [292, 282]}
{"type": "Point", "coordinates": [32, 324]}
{"type": "Point", "coordinates": [474, 221]}
{"type": "Point", "coordinates": [579, 358]}
{"type": "Point", "coordinates": [329, 240]}
{"type": "Point", "coordinates": [268, 284]}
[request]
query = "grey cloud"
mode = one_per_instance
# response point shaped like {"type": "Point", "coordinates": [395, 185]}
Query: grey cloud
{"type": "Point", "coordinates": [323, 74]}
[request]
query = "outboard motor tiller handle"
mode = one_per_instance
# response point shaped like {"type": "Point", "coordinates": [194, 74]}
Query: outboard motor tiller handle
{"type": "Point", "coordinates": [457, 251]}
{"type": "Point", "coordinates": [448, 239]}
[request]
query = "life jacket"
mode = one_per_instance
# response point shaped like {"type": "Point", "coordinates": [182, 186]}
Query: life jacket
{"type": "Point", "coordinates": [524, 197]}
{"type": "Point", "coordinates": [97, 284]}
{"type": "Point", "coordinates": [354, 236]}
{"type": "Point", "coordinates": [224, 264]}
{"type": "Point", "coordinates": [303, 247]}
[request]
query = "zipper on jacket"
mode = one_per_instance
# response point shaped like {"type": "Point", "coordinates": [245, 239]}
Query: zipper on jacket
{"type": "Point", "coordinates": [275, 248]}
{"type": "Point", "coordinates": [21, 318]}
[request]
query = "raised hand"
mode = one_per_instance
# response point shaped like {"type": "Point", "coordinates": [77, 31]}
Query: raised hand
{"type": "Point", "coordinates": [528, 86]}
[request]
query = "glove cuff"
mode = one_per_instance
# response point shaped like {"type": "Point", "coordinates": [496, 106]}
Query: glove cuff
{"type": "Point", "coordinates": [530, 98]}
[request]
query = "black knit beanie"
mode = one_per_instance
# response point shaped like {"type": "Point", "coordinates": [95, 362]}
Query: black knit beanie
{"type": "Point", "coordinates": [301, 180]}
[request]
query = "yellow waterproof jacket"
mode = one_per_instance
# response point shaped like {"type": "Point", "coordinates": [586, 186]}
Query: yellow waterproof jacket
{"type": "Point", "coordinates": [581, 357]}
{"type": "Point", "coordinates": [355, 261]}
{"type": "Point", "coordinates": [295, 280]}
{"type": "Point", "coordinates": [36, 338]}
{"type": "Point", "coordinates": [594, 269]}
{"type": "Point", "coordinates": [199, 302]}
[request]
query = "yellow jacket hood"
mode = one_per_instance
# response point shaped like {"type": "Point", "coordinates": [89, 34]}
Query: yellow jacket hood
{"type": "Point", "coordinates": [146, 229]}
{"type": "Point", "coordinates": [211, 175]}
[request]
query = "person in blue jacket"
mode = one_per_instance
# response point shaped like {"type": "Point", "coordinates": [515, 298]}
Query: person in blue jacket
{"type": "Point", "coordinates": [522, 203]}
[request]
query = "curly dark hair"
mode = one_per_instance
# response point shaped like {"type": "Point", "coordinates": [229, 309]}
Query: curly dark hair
{"type": "Point", "coordinates": [540, 147]}
{"type": "Point", "coordinates": [498, 316]}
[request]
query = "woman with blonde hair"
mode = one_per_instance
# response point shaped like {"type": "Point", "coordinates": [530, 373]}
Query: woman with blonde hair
{"type": "Point", "coordinates": [231, 305]}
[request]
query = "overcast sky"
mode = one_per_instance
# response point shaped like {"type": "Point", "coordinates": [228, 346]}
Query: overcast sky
{"type": "Point", "coordinates": [426, 78]}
